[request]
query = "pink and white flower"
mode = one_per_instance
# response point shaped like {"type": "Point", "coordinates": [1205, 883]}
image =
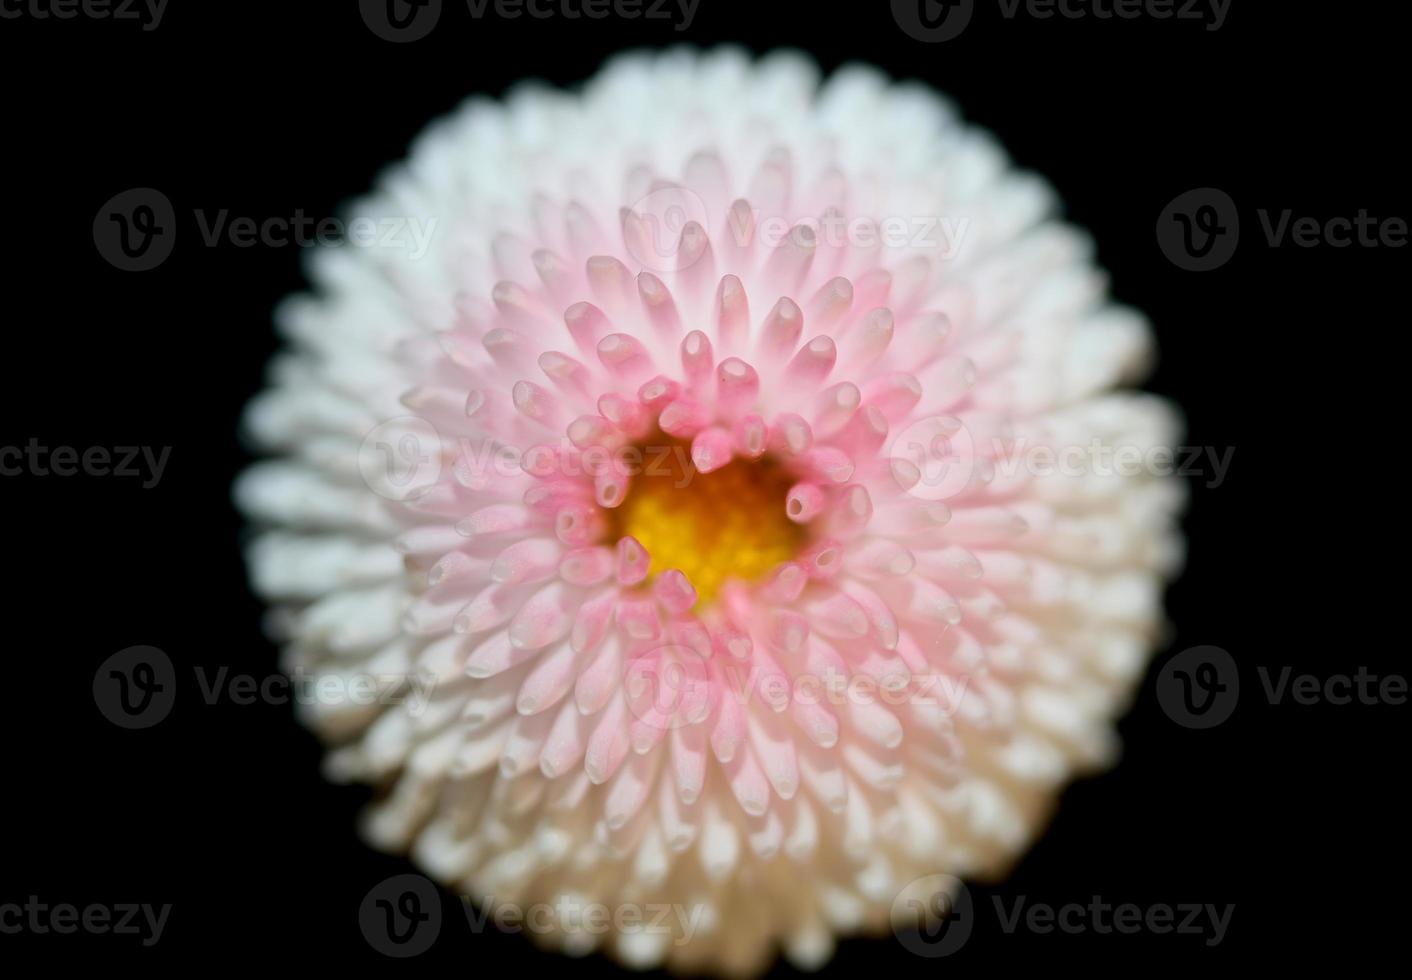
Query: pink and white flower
{"type": "Point", "coordinates": [693, 499]}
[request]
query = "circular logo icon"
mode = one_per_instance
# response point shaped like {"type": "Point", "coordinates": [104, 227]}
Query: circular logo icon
{"type": "Point", "coordinates": [932, 21]}
{"type": "Point", "coordinates": [135, 230]}
{"type": "Point", "coordinates": [401, 457]}
{"type": "Point", "coordinates": [401, 916]}
{"type": "Point", "coordinates": [668, 687]}
{"type": "Point", "coordinates": [655, 229]}
{"type": "Point", "coordinates": [932, 916]}
{"type": "Point", "coordinates": [1199, 688]}
{"type": "Point", "coordinates": [1198, 230]}
{"type": "Point", "coordinates": [135, 688]}
{"type": "Point", "coordinates": [400, 21]}
{"type": "Point", "coordinates": [938, 454]}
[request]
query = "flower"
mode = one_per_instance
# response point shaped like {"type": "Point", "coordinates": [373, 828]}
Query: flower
{"type": "Point", "coordinates": [716, 509]}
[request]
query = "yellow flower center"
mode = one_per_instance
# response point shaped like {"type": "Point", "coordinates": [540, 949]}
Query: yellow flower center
{"type": "Point", "coordinates": [727, 524]}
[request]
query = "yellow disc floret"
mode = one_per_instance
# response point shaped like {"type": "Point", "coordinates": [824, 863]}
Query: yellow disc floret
{"type": "Point", "coordinates": [727, 524]}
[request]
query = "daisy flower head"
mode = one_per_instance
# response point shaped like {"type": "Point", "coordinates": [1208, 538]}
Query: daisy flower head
{"type": "Point", "coordinates": [713, 497]}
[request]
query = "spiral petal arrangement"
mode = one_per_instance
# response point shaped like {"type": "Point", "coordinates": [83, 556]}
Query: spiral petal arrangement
{"type": "Point", "coordinates": [707, 508]}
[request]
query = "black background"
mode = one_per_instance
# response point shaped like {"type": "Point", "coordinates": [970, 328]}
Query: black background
{"type": "Point", "coordinates": [264, 109]}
